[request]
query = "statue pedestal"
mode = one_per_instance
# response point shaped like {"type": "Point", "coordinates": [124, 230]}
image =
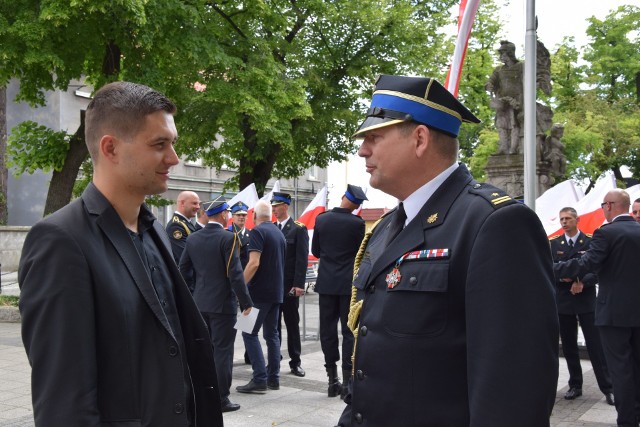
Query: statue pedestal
{"type": "Point", "coordinates": [506, 171]}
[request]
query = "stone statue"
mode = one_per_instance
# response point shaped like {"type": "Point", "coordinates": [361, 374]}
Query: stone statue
{"type": "Point", "coordinates": [506, 87]}
{"type": "Point", "coordinates": [554, 151]}
{"type": "Point", "coordinates": [505, 84]}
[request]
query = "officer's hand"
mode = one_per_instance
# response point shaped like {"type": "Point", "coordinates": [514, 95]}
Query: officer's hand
{"type": "Point", "coordinates": [577, 287]}
{"type": "Point", "coordinates": [298, 292]}
{"type": "Point", "coordinates": [247, 311]}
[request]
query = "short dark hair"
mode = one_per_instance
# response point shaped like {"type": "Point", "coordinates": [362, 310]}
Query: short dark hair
{"type": "Point", "coordinates": [637, 200]}
{"type": "Point", "coordinates": [119, 108]}
{"type": "Point", "coordinates": [571, 210]}
{"type": "Point", "coordinates": [446, 146]}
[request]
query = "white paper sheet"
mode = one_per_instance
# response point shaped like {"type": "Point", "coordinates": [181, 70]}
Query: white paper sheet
{"type": "Point", "coordinates": [246, 323]}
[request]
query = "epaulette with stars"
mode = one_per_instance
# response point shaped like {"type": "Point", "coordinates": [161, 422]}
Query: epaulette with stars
{"type": "Point", "coordinates": [493, 195]}
{"type": "Point", "coordinates": [300, 224]}
{"type": "Point", "coordinates": [589, 235]}
{"type": "Point", "coordinates": [555, 237]}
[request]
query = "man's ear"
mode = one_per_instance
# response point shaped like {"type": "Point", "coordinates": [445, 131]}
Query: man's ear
{"type": "Point", "coordinates": [108, 146]}
{"type": "Point", "coordinates": [422, 135]}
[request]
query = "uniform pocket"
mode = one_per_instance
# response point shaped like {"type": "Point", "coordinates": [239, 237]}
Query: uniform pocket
{"type": "Point", "coordinates": [418, 303]}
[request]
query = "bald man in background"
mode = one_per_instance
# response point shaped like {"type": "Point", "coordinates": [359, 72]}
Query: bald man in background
{"type": "Point", "coordinates": [180, 226]}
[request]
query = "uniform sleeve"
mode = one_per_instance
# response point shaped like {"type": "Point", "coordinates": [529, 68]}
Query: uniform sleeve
{"type": "Point", "coordinates": [178, 238]}
{"type": "Point", "coordinates": [186, 269]}
{"type": "Point", "coordinates": [58, 329]}
{"type": "Point", "coordinates": [512, 322]}
{"type": "Point", "coordinates": [235, 274]}
{"type": "Point", "coordinates": [302, 257]}
{"type": "Point", "coordinates": [590, 262]}
{"type": "Point", "coordinates": [315, 241]}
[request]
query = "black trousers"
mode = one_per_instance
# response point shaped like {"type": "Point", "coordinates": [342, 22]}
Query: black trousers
{"type": "Point", "coordinates": [289, 310]}
{"type": "Point", "coordinates": [223, 335]}
{"type": "Point", "coordinates": [569, 338]}
{"type": "Point", "coordinates": [332, 309]}
{"type": "Point", "coordinates": [622, 350]}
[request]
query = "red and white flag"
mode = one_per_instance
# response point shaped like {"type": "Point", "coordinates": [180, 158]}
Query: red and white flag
{"type": "Point", "coordinates": [250, 224]}
{"type": "Point", "coordinates": [466, 16]}
{"type": "Point", "coordinates": [315, 208]}
{"type": "Point", "coordinates": [548, 205]}
{"type": "Point", "coordinates": [588, 208]}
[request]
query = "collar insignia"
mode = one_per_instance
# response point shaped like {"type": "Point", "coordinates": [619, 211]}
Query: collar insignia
{"type": "Point", "coordinates": [433, 218]}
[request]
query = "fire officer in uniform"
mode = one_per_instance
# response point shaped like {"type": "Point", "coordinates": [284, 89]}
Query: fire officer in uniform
{"type": "Point", "coordinates": [180, 225]}
{"type": "Point", "coordinates": [239, 218]}
{"type": "Point", "coordinates": [336, 239]}
{"type": "Point", "coordinates": [576, 299]}
{"type": "Point", "coordinates": [295, 276]}
{"type": "Point", "coordinates": [453, 305]}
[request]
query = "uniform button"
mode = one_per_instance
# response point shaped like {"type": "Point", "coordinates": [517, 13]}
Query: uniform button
{"type": "Point", "coordinates": [358, 418]}
{"type": "Point", "coordinates": [413, 280]}
{"type": "Point", "coordinates": [163, 302]}
{"type": "Point", "coordinates": [178, 408]}
{"type": "Point", "coordinates": [173, 351]}
{"type": "Point", "coordinates": [359, 374]}
{"type": "Point", "coordinates": [363, 330]}
{"type": "Point", "coordinates": [477, 186]}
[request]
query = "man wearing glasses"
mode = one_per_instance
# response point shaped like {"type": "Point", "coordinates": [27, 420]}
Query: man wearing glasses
{"type": "Point", "coordinates": [612, 256]}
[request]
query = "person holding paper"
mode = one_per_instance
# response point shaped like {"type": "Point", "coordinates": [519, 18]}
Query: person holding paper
{"type": "Point", "coordinates": [264, 274]}
{"type": "Point", "coordinates": [210, 264]}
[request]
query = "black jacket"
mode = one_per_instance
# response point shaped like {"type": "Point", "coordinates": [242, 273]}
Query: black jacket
{"type": "Point", "coordinates": [468, 336]}
{"type": "Point", "coordinates": [336, 239]}
{"type": "Point", "coordinates": [101, 350]}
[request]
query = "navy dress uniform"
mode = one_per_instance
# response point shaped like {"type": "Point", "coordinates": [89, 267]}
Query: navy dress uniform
{"type": "Point", "coordinates": [295, 275]}
{"type": "Point", "coordinates": [455, 323]}
{"type": "Point", "coordinates": [612, 256]}
{"type": "Point", "coordinates": [582, 307]}
{"type": "Point", "coordinates": [336, 238]}
{"type": "Point", "coordinates": [178, 229]}
{"type": "Point", "coordinates": [242, 234]}
{"type": "Point", "coordinates": [210, 265]}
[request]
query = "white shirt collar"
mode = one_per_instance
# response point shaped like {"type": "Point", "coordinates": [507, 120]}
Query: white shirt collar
{"type": "Point", "coordinates": [418, 198]}
{"type": "Point", "coordinates": [281, 224]}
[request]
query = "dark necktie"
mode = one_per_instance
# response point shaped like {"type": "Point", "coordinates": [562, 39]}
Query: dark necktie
{"type": "Point", "coordinates": [280, 226]}
{"type": "Point", "coordinates": [397, 223]}
{"type": "Point", "coordinates": [571, 243]}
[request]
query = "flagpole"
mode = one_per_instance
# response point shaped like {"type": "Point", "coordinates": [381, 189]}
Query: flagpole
{"type": "Point", "coordinates": [530, 176]}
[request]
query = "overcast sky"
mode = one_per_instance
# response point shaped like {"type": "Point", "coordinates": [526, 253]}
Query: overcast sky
{"type": "Point", "coordinates": [556, 19]}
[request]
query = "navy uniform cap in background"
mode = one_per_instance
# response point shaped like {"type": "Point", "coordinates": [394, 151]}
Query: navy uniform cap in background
{"type": "Point", "coordinates": [216, 206]}
{"type": "Point", "coordinates": [355, 194]}
{"type": "Point", "coordinates": [398, 99]}
{"type": "Point", "coordinates": [279, 198]}
{"type": "Point", "coordinates": [239, 208]}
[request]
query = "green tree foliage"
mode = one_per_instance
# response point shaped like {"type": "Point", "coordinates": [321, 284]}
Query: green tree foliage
{"type": "Point", "coordinates": [31, 147]}
{"type": "Point", "coordinates": [294, 92]}
{"type": "Point", "coordinates": [598, 101]}
{"type": "Point", "coordinates": [283, 80]}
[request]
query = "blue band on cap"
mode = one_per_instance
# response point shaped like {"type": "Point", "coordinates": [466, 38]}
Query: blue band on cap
{"type": "Point", "coordinates": [420, 112]}
{"type": "Point", "coordinates": [282, 199]}
{"type": "Point", "coordinates": [217, 210]}
{"type": "Point", "coordinates": [352, 198]}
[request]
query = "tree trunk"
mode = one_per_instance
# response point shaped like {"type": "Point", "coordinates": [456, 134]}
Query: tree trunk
{"type": "Point", "coordinates": [4, 174]}
{"type": "Point", "coordinates": [62, 182]}
{"type": "Point", "coordinates": [260, 170]}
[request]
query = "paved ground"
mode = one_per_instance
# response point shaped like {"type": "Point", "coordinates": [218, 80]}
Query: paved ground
{"type": "Point", "coordinates": [300, 402]}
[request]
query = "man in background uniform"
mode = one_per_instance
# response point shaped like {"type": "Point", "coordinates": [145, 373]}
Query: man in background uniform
{"type": "Point", "coordinates": [336, 239]}
{"type": "Point", "coordinates": [211, 267]}
{"type": "Point", "coordinates": [239, 218]}
{"type": "Point", "coordinates": [201, 219]}
{"type": "Point", "coordinates": [295, 276]}
{"type": "Point", "coordinates": [455, 317]}
{"type": "Point", "coordinates": [612, 255]}
{"type": "Point", "coordinates": [576, 300]}
{"type": "Point", "coordinates": [180, 225]}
